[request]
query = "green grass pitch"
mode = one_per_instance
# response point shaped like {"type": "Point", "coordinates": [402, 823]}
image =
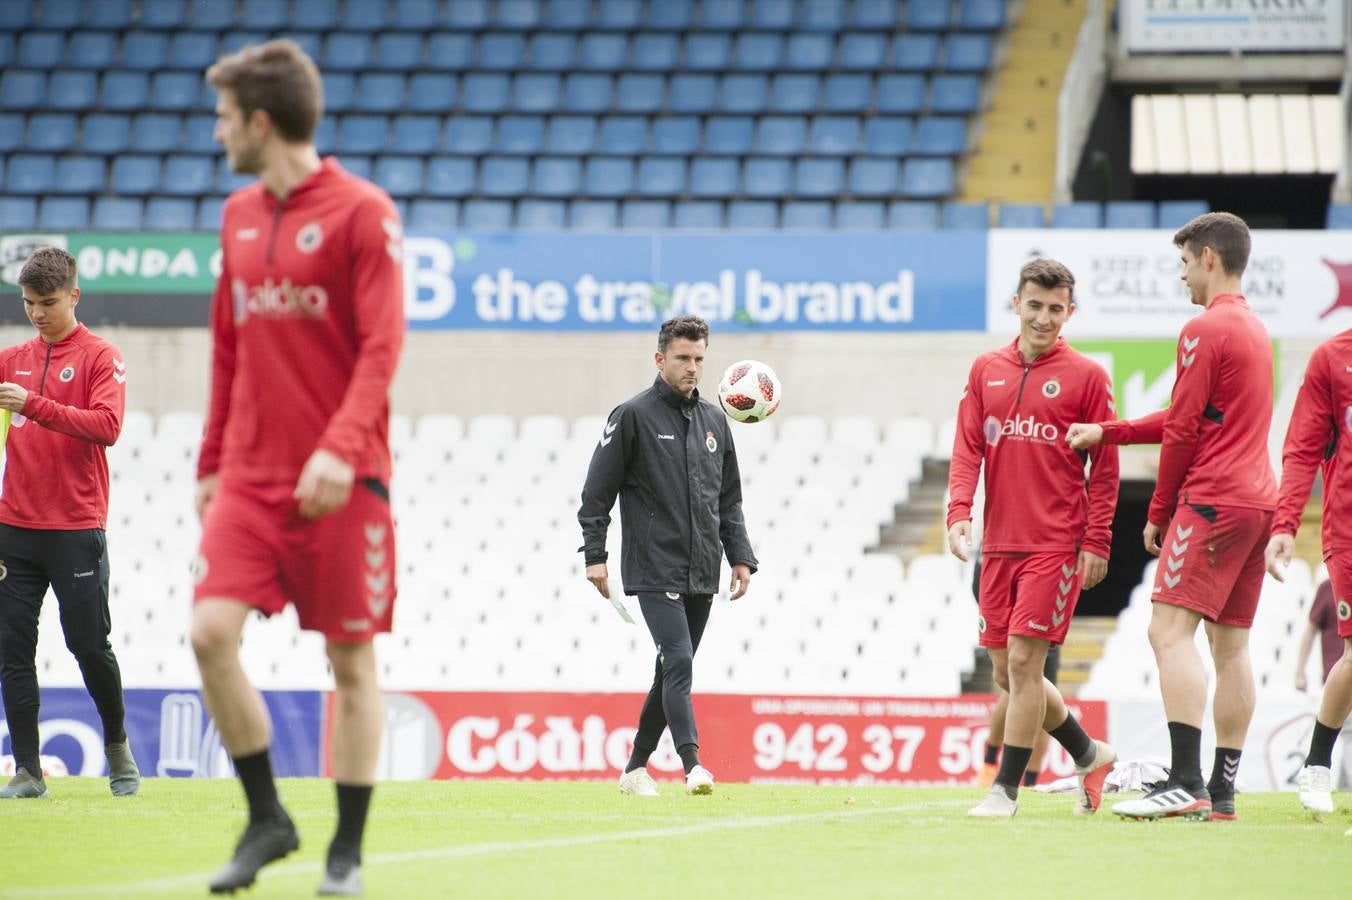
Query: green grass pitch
{"type": "Point", "coordinates": [585, 840]}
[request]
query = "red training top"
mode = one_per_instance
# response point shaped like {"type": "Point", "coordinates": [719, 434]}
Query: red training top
{"type": "Point", "coordinates": [1214, 433]}
{"type": "Point", "coordinates": [306, 323]}
{"type": "Point", "coordinates": [1013, 417]}
{"type": "Point", "coordinates": [56, 465]}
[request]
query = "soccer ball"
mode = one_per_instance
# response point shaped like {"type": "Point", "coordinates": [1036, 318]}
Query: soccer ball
{"type": "Point", "coordinates": [749, 391]}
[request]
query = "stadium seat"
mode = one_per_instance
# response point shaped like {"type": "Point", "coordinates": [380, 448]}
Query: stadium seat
{"type": "Point", "coordinates": [586, 93]}
{"type": "Point", "coordinates": [398, 51]}
{"type": "Point", "coordinates": [819, 177]}
{"type": "Point", "coordinates": [523, 14]}
{"type": "Point", "coordinates": [91, 50]}
{"type": "Point", "coordinates": [834, 136]}
{"type": "Point", "coordinates": [468, 135]}
{"type": "Point", "coordinates": [708, 51]}
{"type": "Point", "coordinates": [175, 90]}
{"type": "Point", "coordinates": [638, 92]}
{"type": "Point", "coordinates": [400, 176]}
{"type": "Point", "coordinates": [18, 213]}
{"type": "Point", "coordinates": [570, 135]}
{"type": "Point", "coordinates": [1129, 214]}
{"type": "Point", "coordinates": [781, 135]}
{"type": "Point", "coordinates": [551, 52]}
{"type": "Point", "coordinates": [660, 176]}
{"type": "Point", "coordinates": [487, 215]}
{"type": "Point", "coordinates": [322, 15]}
{"type": "Point", "coordinates": [50, 131]}
{"type": "Point", "coordinates": [623, 135]}
{"type": "Point", "coordinates": [146, 50]}
{"type": "Point", "coordinates": [672, 15]}
{"type": "Point", "coordinates": [361, 134]}
{"type": "Point", "coordinates": [859, 215]}
{"type": "Point", "coordinates": [915, 52]}
{"type": "Point", "coordinates": [162, 14]}
{"type": "Point", "coordinates": [556, 176]}
{"type": "Point", "coordinates": [568, 15]}
{"type": "Point", "coordinates": [448, 51]}
{"type": "Point", "coordinates": [545, 215]}
{"type": "Point", "coordinates": [712, 177]}
{"type": "Point", "coordinates": [968, 216]}
{"type": "Point", "coordinates": [1175, 214]}
{"type": "Point", "coordinates": [116, 214]}
{"type": "Point", "coordinates": [847, 93]}
{"type": "Point", "coordinates": [863, 51]}
{"type": "Point", "coordinates": [26, 90]}
{"type": "Point", "coordinates": [28, 173]}
{"type": "Point", "coordinates": [821, 16]}
{"type": "Point", "coordinates": [415, 134]}
{"type": "Point", "coordinates": [644, 214]}
{"type": "Point", "coordinates": [698, 214]}
{"type": "Point", "coordinates": [524, 135]}
{"type": "Point", "coordinates": [928, 16]}
{"type": "Point", "coordinates": [795, 93]}
{"type": "Point", "coordinates": [41, 50]}
{"type": "Point", "coordinates": [501, 176]}
{"type": "Point", "coordinates": [940, 136]}
{"type": "Point", "coordinates": [603, 51]}
{"type": "Point", "coordinates": [155, 132]}
{"type": "Point", "coordinates": [913, 215]}
{"type": "Point", "coordinates": [1021, 215]}
{"type": "Point", "coordinates": [1339, 216]}
{"type": "Point", "coordinates": [1077, 215]}
{"type": "Point", "coordinates": [875, 14]}
{"type": "Point", "coordinates": [209, 213]}
{"type": "Point", "coordinates": [420, 15]}
{"type": "Point", "coordinates": [927, 178]}
{"type": "Point", "coordinates": [6, 50]}
{"type": "Point", "coordinates": [12, 128]}
{"type": "Point", "coordinates": [967, 53]}
{"type": "Point", "coordinates": [873, 177]}
{"type": "Point", "coordinates": [692, 93]}
{"type": "Point", "coordinates": [379, 92]}
{"type": "Point", "coordinates": [79, 175]}
{"type": "Point", "coordinates": [170, 214]}
{"type": "Point", "coordinates": [753, 215]}
{"type": "Point", "coordinates": [432, 92]}
{"type": "Point", "coordinates": [958, 94]}
{"type": "Point", "coordinates": [199, 135]}
{"type": "Point", "coordinates": [809, 52]}
{"type": "Point", "coordinates": [536, 92]}
{"type": "Point", "coordinates": [186, 175]}
{"type": "Point", "coordinates": [807, 215]}
{"type": "Point", "coordinates": [757, 51]}
{"type": "Point", "coordinates": [500, 51]}
{"type": "Point", "coordinates": [887, 135]}
{"type": "Point", "coordinates": [619, 15]}
{"type": "Point", "coordinates": [608, 176]}
{"type": "Point", "coordinates": [234, 41]}
{"type": "Point", "coordinates": [434, 215]}
{"type": "Point", "coordinates": [113, 15]}
{"type": "Point", "coordinates": [764, 177]}
{"type": "Point", "coordinates": [193, 50]}
{"type": "Point", "coordinates": [981, 15]}
{"type": "Point", "coordinates": [901, 93]}
{"type": "Point", "coordinates": [656, 52]}
{"type": "Point", "coordinates": [676, 135]}
{"type": "Point", "coordinates": [742, 93]}
{"type": "Point", "coordinates": [63, 214]}
{"type": "Point", "coordinates": [346, 51]}
{"type": "Point", "coordinates": [728, 135]}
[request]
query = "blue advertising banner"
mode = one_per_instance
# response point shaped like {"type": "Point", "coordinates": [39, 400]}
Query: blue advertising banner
{"type": "Point", "coordinates": [171, 734]}
{"type": "Point", "coordinates": [769, 282]}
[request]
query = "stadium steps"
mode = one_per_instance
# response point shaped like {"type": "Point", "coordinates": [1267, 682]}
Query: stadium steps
{"type": "Point", "coordinates": [919, 523]}
{"type": "Point", "coordinates": [1083, 648]}
{"type": "Point", "coordinates": [1016, 154]}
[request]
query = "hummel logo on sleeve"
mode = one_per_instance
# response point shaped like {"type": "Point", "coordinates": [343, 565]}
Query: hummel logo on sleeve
{"type": "Point", "coordinates": [610, 430]}
{"type": "Point", "coordinates": [1189, 350]}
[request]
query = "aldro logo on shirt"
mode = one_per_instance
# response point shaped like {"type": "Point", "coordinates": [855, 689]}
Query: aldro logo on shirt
{"type": "Point", "coordinates": [1019, 428]}
{"type": "Point", "coordinates": [278, 300]}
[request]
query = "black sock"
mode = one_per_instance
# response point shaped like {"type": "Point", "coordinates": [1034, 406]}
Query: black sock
{"type": "Point", "coordinates": [992, 754]}
{"type": "Point", "coordinates": [353, 802]}
{"type": "Point", "coordinates": [638, 759]}
{"type": "Point", "coordinates": [23, 738]}
{"type": "Point", "coordinates": [689, 756]}
{"type": "Point", "coordinates": [1013, 762]}
{"type": "Point", "coordinates": [1079, 745]}
{"type": "Point", "coordinates": [1321, 745]}
{"type": "Point", "coordinates": [255, 773]}
{"type": "Point", "coordinates": [1030, 777]}
{"type": "Point", "coordinates": [1223, 772]}
{"type": "Point", "coordinates": [1185, 770]}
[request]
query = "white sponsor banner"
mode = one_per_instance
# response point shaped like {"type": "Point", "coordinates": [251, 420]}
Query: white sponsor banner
{"type": "Point", "coordinates": [1127, 282]}
{"type": "Point", "coordinates": [1156, 26]}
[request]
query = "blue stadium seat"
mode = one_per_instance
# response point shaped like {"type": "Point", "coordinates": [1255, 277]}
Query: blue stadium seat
{"type": "Point", "coordinates": [1339, 216]}
{"type": "Point", "coordinates": [819, 177]}
{"type": "Point", "coordinates": [959, 94]}
{"type": "Point", "coordinates": [432, 92]}
{"type": "Point", "coordinates": [728, 135]}
{"type": "Point", "coordinates": [661, 176]}
{"type": "Point", "coordinates": [757, 52]}
{"type": "Point", "coordinates": [501, 51]}
{"type": "Point", "coordinates": [265, 15]}
{"type": "Point", "coordinates": [56, 16]}
{"type": "Point", "coordinates": [322, 15]}
{"type": "Point", "coordinates": [361, 134]}
{"type": "Point", "coordinates": [162, 14]}
{"type": "Point", "coordinates": [400, 176]}
{"type": "Point", "coordinates": [398, 51]}
{"type": "Point", "coordinates": [233, 41]}
{"type": "Point", "coordinates": [764, 176]}
{"type": "Point", "coordinates": [913, 215]}
{"type": "Point", "coordinates": [339, 89]}
{"type": "Point", "coordinates": [199, 135]}
{"type": "Point", "coordinates": [170, 214]}
{"type": "Point", "coordinates": [901, 93]}
{"type": "Point", "coordinates": [19, 16]}
{"type": "Point", "coordinates": [546, 215]}
{"type": "Point", "coordinates": [18, 213]}
{"type": "Point", "coordinates": [772, 15]}
{"type": "Point", "coordinates": [1020, 215]}
{"type": "Point", "coordinates": [927, 178]}
{"type": "Point", "coordinates": [449, 176]}
{"type": "Point", "coordinates": [357, 165]}
{"type": "Point", "coordinates": [622, 135]}
{"type": "Point", "coordinates": [966, 216]}
{"type": "Point", "coordinates": [487, 215]}
{"type": "Point", "coordinates": [721, 14]}
{"type": "Point", "coordinates": [175, 90]}
{"type": "Point", "coordinates": [78, 90]}
{"type": "Point", "coordinates": [484, 92]}
{"type": "Point", "coordinates": [91, 50]}
{"type": "Point", "coordinates": [620, 15]}
{"type": "Point", "coordinates": [933, 15]}
{"type": "Point", "coordinates": [677, 15]}
{"type": "Point", "coordinates": [693, 93]}
{"type": "Point", "coordinates": [570, 134]}
{"type": "Point", "coordinates": [379, 92]}
{"type": "Point", "coordinates": [524, 14]}
{"type": "Point", "coordinates": [468, 135]}
{"type": "Point", "coordinates": [415, 134]}
{"type": "Point", "coordinates": [6, 50]}
{"type": "Point", "coordinates": [1081, 214]}
{"type": "Point", "coordinates": [209, 213]}
{"type": "Point", "coordinates": [834, 136]}
{"type": "Point", "coordinates": [915, 52]}
{"type": "Point", "coordinates": [51, 131]}
{"type": "Point", "coordinates": [713, 177]}
{"type": "Point", "coordinates": [864, 51]}
{"type": "Point", "coordinates": [521, 135]}
{"type": "Point", "coordinates": [79, 175]}
{"type": "Point", "coordinates": [12, 126]}
{"type": "Point", "coordinates": [887, 135]}
{"type": "Point", "coordinates": [556, 176]}
{"type": "Point", "coordinates": [193, 50]}
{"type": "Point", "coordinates": [155, 132]}
{"type": "Point", "coordinates": [536, 92]}
{"type": "Point", "coordinates": [706, 51]}
{"type": "Point", "coordinates": [645, 214]}
{"type": "Point", "coordinates": [873, 176]}
{"type": "Point", "coordinates": [807, 51]}
{"type": "Point", "coordinates": [567, 15]}
{"type": "Point", "coordinates": [133, 175]}
{"type": "Point", "coordinates": [967, 53]}
{"type": "Point", "coordinates": [676, 134]}
{"type": "Point", "coordinates": [148, 50]}
{"type": "Point", "coordinates": [608, 176]}
{"type": "Point", "coordinates": [116, 214]}
{"type": "Point", "coordinates": [419, 15]}
{"type": "Point", "coordinates": [1174, 214]}
{"type": "Point", "coordinates": [807, 215]}
{"type": "Point", "coordinates": [875, 14]}
{"type": "Point", "coordinates": [189, 176]}
{"type": "Point", "coordinates": [30, 173]}
{"type": "Point", "coordinates": [326, 135]}
{"type": "Point", "coordinates": [822, 16]}
{"type": "Point", "coordinates": [63, 214]}
{"type": "Point", "coordinates": [346, 51]}
{"type": "Point", "coordinates": [753, 215]}
{"type": "Point", "coordinates": [981, 15]}
{"type": "Point", "coordinates": [940, 136]}
{"type": "Point", "coordinates": [743, 93]}
{"type": "Point", "coordinates": [586, 93]}
{"type": "Point", "coordinates": [111, 15]}
{"type": "Point", "coordinates": [434, 215]}
{"type": "Point", "coordinates": [26, 90]}
{"type": "Point", "coordinates": [593, 215]}
{"type": "Point", "coordinates": [793, 93]}
{"type": "Point", "coordinates": [211, 16]}
{"type": "Point", "coordinates": [781, 135]}
{"type": "Point", "coordinates": [552, 52]}
{"type": "Point", "coordinates": [859, 215]}
{"type": "Point", "coordinates": [656, 52]}
{"type": "Point", "coordinates": [848, 93]}
{"type": "Point", "coordinates": [449, 50]}
{"type": "Point", "coordinates": [1129, 214]}
{"type": "Point", "coordinates": [603, 51]}
{"type": "Point", "coordinates": [468, 15]}
{"type": "Point", "coordinates": [639, 92]}
{"type": "Point", "coordinates": [311, 43]}
{"type": "Point", "coordinates": [698, 214]}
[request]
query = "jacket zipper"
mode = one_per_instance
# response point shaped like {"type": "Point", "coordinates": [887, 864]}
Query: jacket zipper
{"type": "Point", "coordinates": [42, 383]}
{"type": "Point", "coordinates": [272, 235]}
{"type": "Point", "coordinates": [1022, 381]}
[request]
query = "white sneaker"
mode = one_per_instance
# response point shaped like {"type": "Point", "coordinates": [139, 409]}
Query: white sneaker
{"type": "Point", "coordinates": [1316, 788]}
{"type": "Point", "coordinates": [1165, 803]}
{"type": "Point", "coordinates": [1091, 778]}
{"type": "Point", "coordinates": [699, 781]}
{"type": "Point", "coordinates": [997, 805]}
{"type": "Point", "coordinates": [639, 783]}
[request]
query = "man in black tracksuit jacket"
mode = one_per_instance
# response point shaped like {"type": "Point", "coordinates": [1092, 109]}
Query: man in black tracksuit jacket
{"type": "Point", "coordinates": [669, 456]}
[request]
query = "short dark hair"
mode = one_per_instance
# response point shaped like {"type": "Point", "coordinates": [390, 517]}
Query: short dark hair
{"type": "Point", "coordinates": [278, 78]}
{"type": "Point", "coordinates": [1225, 233]}
{"type": "Point", "coordinates": [692, 328]}
{"type": "Point", "coordinates": [48, 270]}
{"type": "Point", "coordinates": [1047, 273]}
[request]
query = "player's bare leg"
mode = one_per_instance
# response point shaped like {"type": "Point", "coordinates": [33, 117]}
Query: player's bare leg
{"type": "Point", "coordinates": [1316, 777]}
{"type": "Point", "coordinates": [358, 720]}
{"type": "Point", "coordinates": [1233, 711]}
{"type": "Point", "coordinates": [242, 720]}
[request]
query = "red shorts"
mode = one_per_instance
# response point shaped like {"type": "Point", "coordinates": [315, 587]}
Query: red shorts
{"type": "Point", "coordinates": [338, 570]}
{"type": "Point", "coordinates": [1340, 573]}
{"type": "Point", "coordinates": [1212, 562]}
{"type": "Point", "coordinates": [1032, 594]}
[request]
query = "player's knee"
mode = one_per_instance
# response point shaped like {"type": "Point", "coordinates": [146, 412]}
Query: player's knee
{"type": "Point", "coordinates": [1001, 676]}
{"type": "Point", "coordinates": [212, 639]}
{"type": "Point", "coordinates": [86, 646]}
{"type": "Point", "coordinates": [677, 665]}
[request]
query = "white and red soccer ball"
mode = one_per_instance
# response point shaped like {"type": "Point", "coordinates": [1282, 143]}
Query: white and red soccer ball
{"type": "Point", "coordinates": [749, 391]}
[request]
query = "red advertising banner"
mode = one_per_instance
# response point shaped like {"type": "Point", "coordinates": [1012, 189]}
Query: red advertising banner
{"type": "Point", "coordinates": [743, 737]}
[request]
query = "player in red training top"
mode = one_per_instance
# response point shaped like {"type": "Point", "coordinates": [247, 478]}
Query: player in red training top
{"type": "Point", "coordinates": [1214, 459]}
{"type": "Point", "coordinates": [1314, 437]}
{"type": "Point", "coordinates": [306, 324]}
{"type": "Point", "coordinates": [1045, 536]}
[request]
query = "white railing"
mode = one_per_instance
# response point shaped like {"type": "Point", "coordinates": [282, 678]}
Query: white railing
{"type": "Point", "coordinates": [1079, 98]}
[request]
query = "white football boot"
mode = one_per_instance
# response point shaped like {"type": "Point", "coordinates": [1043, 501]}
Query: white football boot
{"type": "Point", "coordinates": [639, 783]}
{"type": "Point", "coordinates": [699, 781]}
{"type": "Point", "coordinates": [1316, 788]}
{"type": "Point", "coordinates": [997, 805]}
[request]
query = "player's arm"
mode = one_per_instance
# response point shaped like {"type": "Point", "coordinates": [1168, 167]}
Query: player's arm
{"type": "Point", "coordinates": [1103, 483]}
{"type": "Point", "coordinates": [969, 447]}
{"type": "Point", "coordinates": [1193, 389]}
{"type": "Point", "coordinates": [1310, 437]}
{"type": "Point", "coordinates": [101, 422]}
{"type": "Point", "coordinates": [605, 476]}
{"type": "Point", "coordinates": [732, 525]}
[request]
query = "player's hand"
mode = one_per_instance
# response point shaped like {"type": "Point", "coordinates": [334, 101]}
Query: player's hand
{"type": "Point", "coordinates": [1092, 567]}
{"type": "Point", "coordinates": [1082, 436]}
{"type": "Point", "coordinates": [13, 396]}
{"type": "Point", "coordinates": [325, 484]}
{"type": "Point", "coordinates": [960, 539]}
{"type": "Point", "coordinates": [206, 491]}
{"type": "Point", "coordinates": [1278, 555]}
{"type": "Point", "coordinates": [597, 575]}
{"type": "Point", "coordinates": [1153, 539]}
{"type": "Point", "coordinates": [1301, 683]}
{"type": "Point", "coordinates": [741, 580]}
